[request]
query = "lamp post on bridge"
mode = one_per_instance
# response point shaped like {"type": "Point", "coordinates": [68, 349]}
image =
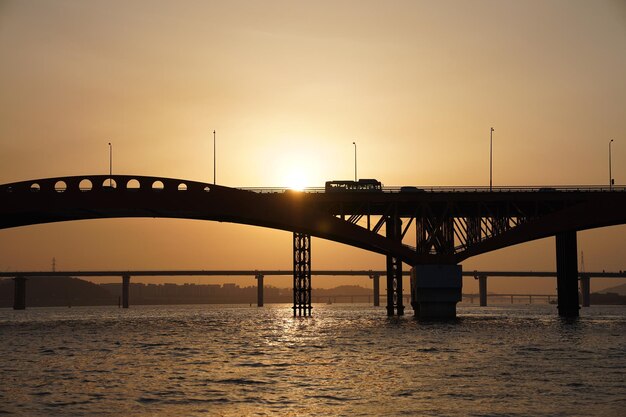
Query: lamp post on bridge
{"type": "Point", "coordinates": [610, 173]}
{"type": "Point", "coordinates": [214, 157]}
{"type": "Point", "coordinates": [491, 159]}
{"type": "Point", "coordinates": [110, 165]}
{"type": "Point", "coordinates": [355, 176]}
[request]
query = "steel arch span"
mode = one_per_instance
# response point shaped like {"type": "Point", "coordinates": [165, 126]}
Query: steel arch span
{"type": "Point", "coordinates": [451, 224]}
{"type": "Point", "coordinates": [125, 196]}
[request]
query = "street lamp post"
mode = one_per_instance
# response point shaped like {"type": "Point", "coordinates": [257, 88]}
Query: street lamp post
{"type": "Point", "coordinates": [610, 173]}
{"type": "Point", "coordinates": [491, 159]}
{"type": "Point", "coordinates": [214, 157]}
{"type": "Point", "coordinates": [355, 176]}
{"type": "Point", "coordinates": [110, 165]}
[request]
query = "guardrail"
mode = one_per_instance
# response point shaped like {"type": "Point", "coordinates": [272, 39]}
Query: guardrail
{"type": "Point", "coordinates": [158, 184]}
{"type": "Point", "coordinates": [449, 189]}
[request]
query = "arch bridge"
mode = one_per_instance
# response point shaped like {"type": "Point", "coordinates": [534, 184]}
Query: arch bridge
{"type": "Point", "coordinates": [446, 224]}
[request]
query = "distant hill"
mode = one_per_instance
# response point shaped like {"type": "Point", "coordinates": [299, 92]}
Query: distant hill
{"type": "Point", "coordinates": [57, 291]}
{"type": "Point", "coordinates": [343, 290]}
{"type": "Point", "coordinates": [69, 291]}
{"type": "Point", "coordinates": [620, 289]}
{"type": "Point", "coordinates": [64, 291]}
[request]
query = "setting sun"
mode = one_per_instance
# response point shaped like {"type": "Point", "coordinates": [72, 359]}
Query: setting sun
{"type": "Point", "coordinates": [296, 180]}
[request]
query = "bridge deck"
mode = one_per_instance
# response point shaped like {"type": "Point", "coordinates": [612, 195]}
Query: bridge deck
{"type": "Point", "coordinates": [282, 272]}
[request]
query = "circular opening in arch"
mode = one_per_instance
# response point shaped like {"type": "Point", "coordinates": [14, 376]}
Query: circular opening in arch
{"type": "Point", "coordinates": [85, 185]}
{"type": "Point", "coordinates": [133, 184]}
{"type": "Point", "coordinates": [35, 187]}
{"type": "Point", "coordinates": [109, 183]}
{"type": "Point", "coordinates": [60, 186]}
{"type": "Point", "coordinates": [182, 187]}
{"type": "Point", "coordinates": [158, 185]}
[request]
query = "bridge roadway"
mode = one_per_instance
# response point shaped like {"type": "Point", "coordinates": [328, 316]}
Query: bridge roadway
{"type": "Point", "coordinates": [449, 224]}
{"type": "Point", "coordinates": [20, 279]}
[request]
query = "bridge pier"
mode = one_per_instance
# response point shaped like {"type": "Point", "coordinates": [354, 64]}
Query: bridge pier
{"type": "Point", "coordinates": [585, 290]}
{"type": "Point", "coordinates": [376, 283]}
{"type": "Point", "coordinates": [435, 290]}
{"type": "Point", "coordinates": [482, 290]}
{"type": "Point", "coordinates": [19, 295]}
{"type": "Point", "coordinates": [259, 290]}
{"type": "Point", "coordinates": [301, 274]}
{"type": "Point", "coordinates": [394, 270]}
{"type": "Point", "coordinates": [567, 274]}
{"type": "Point", "coordinates": [125, 290]}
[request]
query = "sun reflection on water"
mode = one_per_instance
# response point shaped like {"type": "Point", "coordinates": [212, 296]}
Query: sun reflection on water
{"type": "Point", "coordinates": [233, 360]}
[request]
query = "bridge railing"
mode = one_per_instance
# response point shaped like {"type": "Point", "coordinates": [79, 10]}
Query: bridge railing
{"type": "Point", "coordinates": [158, 184]}
{"type": "Point", "coordinates": [275, 190]}
{"type": "Point", "coordinates": [454, 189]}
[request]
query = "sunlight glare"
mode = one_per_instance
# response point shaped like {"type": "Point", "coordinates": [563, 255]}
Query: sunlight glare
{"type": "Point", "coordinates": [296, 180]}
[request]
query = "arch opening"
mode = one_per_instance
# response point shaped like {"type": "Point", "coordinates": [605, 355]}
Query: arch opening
{"type": "Point", "coordinates": [60, 186]}
{"type": "Point", "coordinates": [85, 185]}
{"type": "Point", "coordinates": [133, 184]}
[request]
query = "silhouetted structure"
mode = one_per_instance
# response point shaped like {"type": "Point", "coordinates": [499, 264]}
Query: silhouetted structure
{"type": "Point", "coordinates": [451, 224]}
{"type": "Point", "coordinates": [67, 291]}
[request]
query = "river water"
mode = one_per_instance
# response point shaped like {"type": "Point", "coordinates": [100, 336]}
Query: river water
{"type": "Point", "coordinates": [205, 360]}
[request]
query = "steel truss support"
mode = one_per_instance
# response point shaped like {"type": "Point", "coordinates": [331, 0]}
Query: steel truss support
{"type": "Point", "coordinates": [394, 270]}
{"type": "Point", "coordinates": [435, 235]}
{"type": "Point", "coordinates": [567, 274]}
{"type": "Point", "coordinates": [301, 274]}
{"type": "Point", "coordinates": [473, 230]}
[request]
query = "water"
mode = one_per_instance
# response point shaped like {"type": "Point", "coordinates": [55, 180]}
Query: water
{"type": "Point", "coordinates": [346, 360]}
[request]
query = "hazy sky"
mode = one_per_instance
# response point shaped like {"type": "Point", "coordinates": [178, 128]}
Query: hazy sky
{"type": "Point", "coordinates": [288, 86]}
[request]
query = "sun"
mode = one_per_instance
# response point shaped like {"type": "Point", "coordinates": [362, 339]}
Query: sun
{"type": "Point", "coordinates": [296, 180]}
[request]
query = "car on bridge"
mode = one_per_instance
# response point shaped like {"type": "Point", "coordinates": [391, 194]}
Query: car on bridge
{"type": "Point", "coordinates": [411, 189]}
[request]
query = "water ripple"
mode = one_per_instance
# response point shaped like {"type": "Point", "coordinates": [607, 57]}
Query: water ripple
{"type": "Point", "coordinates": [347, 360]}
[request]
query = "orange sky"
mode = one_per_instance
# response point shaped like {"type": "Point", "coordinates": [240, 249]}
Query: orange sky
{"type": "Point", "coordinates": [289, 86]}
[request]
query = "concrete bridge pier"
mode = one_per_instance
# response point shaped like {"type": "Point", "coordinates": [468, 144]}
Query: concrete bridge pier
{"type": "Point", "coordinates": [585, 290]}
{"type": "Point", "coordinates": [567, 274]}
{"type": "Point", "coordinates": [376, 283]}
{"type": "Point", "coordinates": [259, 291]}
{"type": "Point", "coordinates": [125, 290]}
{"type": "Point", "coordinates": [19, 296]}
{"type": "Point", "coordinates": [435, 290]}
{"type": "Point", "coordinates": [482, 290]}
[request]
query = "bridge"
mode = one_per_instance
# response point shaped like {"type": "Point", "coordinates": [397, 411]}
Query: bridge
{"type": "Point", "coordinates": [450, 224]}
{"type": "Point", "coordinates": [20, 278]}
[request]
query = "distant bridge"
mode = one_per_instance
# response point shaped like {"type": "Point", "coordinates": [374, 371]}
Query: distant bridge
{"type": "Point", "coordinates": [283, 272]}
{"type": "Point", "coordinates": [451, 223]}
{"type": "Point", "coordinates": [259, 275]}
